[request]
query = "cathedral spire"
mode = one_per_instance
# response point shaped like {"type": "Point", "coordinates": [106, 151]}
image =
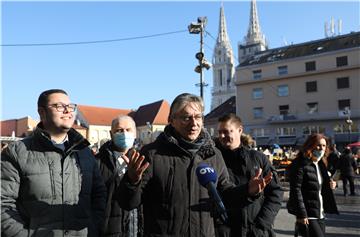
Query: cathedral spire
{"type": "Point", "coordinates": [254, 34]}
{"type": "Point", "coordinates": [222, 36]}
{"type": "Point", "coordinates": [223, 66]}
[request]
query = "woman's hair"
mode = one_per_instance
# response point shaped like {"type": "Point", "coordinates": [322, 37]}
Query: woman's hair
{"type": "Point", "coordinates": [311, 143]}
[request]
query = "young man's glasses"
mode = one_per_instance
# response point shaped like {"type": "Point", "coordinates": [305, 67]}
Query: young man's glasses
{"type": "Point", "coordinates": [62, 107]}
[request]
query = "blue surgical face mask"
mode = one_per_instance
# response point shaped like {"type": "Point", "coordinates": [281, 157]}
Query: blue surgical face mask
{"type": "Point", "coordinates": [123, 140]}
{"type": "Point", "coordinates": [318, 154]}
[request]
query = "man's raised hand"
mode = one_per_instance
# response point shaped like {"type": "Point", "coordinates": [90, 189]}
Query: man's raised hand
{"type": "Point", "coordinates": [136, 165]}
{"type": "Point", "coordinates": [257, 184]}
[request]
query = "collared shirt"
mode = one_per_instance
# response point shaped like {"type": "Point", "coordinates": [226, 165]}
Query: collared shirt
{"type": "Point", "coordinates": [62, 144]}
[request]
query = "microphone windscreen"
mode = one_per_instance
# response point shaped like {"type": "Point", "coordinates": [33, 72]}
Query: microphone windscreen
{"type": "Point", "coordinates": [206, 174]}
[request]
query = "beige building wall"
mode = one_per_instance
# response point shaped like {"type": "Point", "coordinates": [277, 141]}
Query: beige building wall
{"type": "Point", "coordinates": [96, 133]}
{"type": "Point", "coordinates": [25, 126]}
{"type": "Point", "coordinates": [148, 134]}
{"type": "Point", "coordinates": [327, 94]}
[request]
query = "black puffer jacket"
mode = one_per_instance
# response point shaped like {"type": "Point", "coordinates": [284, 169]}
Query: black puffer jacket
{"type": "Point", "coordinates": [251, 214]}
{"type": "Point", "coordinates": [118, 222]}
{"type": "Point", "coordinates": [304, 189]}
{"type": "Point", "coordinates": [174, 202]}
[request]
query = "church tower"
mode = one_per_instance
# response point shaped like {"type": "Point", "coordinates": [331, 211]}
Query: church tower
{"type": "Point", "coordinates": [223, 66]}
{"type": "Point", "coordinates": [254, 41]}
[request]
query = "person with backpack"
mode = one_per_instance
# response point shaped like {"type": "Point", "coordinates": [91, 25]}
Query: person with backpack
{"type": "Point", "coordinates": [254, 215]}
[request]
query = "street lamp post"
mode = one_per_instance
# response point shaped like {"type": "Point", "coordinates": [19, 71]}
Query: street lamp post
{"type": "Point", "coordinates": [199, 28]}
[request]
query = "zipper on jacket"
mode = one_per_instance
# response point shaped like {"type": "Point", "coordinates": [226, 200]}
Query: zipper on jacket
{"type": "Point", "coordinates": [169, 185]}
{"type": "Point", "coordinates": [52, 179]}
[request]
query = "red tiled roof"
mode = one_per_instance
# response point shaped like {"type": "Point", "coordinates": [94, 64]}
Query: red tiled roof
{"type": "Point", "coordinates": [154, 113]}
{"type": "Point", "coordinates": [7, 127]}
{"type": "Point", "coordinates": [100, 115]}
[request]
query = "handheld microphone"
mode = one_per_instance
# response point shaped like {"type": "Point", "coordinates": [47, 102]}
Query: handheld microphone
{"type": "Point", "coordinates": [207, 178]}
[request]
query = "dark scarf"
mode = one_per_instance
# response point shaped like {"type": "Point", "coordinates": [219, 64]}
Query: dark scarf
{"type": "Point", "coordinates": [191, 146]}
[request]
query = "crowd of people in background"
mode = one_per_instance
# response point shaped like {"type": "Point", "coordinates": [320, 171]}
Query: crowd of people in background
{"type": "Point", "coordinates": [185, 183]}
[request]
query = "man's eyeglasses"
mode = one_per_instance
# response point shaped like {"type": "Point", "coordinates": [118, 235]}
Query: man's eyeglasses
{"type": "Point", "coordinates": [186, 119]}
{"type": "Point", "coordinates": [62, 107]}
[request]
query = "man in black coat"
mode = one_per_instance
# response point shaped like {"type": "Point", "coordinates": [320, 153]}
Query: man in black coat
{"type": "Point", "coordinates": [347, 166]}
{"type": "Point", "coordinates": [333, 159]}
{"type": "Point", "coordinates": [118, 222]}
{"type": "Point", "coordinates": [255, 215]}
{"type": "Point", "coordinates": [164, 181]}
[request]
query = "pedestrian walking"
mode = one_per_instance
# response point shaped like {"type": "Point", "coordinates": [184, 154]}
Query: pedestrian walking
{"type": "Point", "coordinates": [347, 166]}
{"type": "Point", "coordinates": [311, 194]}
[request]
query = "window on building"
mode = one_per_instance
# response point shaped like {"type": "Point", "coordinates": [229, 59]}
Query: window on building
{"type": "Point", "coordinates": [307, 130]}
{"type": "Point", "coordinates": [260, 132]}
{"type": "Point", "coordinates": [282, 70]}
{"type": "Point", "coordinates": [341, 61]}
{"type": "Point", "coordinates": [343, 82]}
{"type": "Point", "coordinates": [310, 66]}
{"type": "Point", "coordinates": [258, 112]}
{"type": "Point", "coordinates": [311, 86]}
{"type": "Point", "coordinates": [284, 109]}
{"type": "Point", "coordinates": [220, 77]}
{"type": "Point", "coordinates": [312, 107]}
{"type": "Point", "coordinates": [228, 77]}
{"type": "Point", "coordinates": [283, 90]}
{"type": "Point", "coordinates": [344, 105]}
{"type": "Point", "coordinates": [286, 131]}
{"type": "Point", "coordinates": [257, 74]}
{"type": "Point", "coordinates": [344, 128]}
{"type": "Point", "coordinates": [257, 93]}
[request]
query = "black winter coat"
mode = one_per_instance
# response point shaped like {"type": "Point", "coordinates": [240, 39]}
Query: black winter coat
{"type": "Point", "coordinates": [174, 202]}
{"type": "Point", "coordinates": [251, 214]}
{"type": "Point", "coordinates": [347, 165]}
{"type": "Point", "coordinates": [304, 189]}
{"type": "Point", "coordinates": [117, 220]}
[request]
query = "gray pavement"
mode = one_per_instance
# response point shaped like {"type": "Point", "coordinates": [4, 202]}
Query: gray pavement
{"type": "Point", "coordinates": [347, 224]}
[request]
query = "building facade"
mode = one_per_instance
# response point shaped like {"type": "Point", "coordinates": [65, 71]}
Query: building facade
{"type": "Point", "coordinates": [287, 93]}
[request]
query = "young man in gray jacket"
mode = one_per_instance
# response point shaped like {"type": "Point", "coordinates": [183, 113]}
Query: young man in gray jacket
{"type": "Point", "coordinates": [50, 182]}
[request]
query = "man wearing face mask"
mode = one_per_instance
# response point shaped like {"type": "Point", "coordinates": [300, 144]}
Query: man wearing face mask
{"type": "Point", "coordinates": [118, 222]}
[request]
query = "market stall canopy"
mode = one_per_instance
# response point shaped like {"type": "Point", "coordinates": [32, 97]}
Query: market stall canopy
{"type": "Point", "coordinates": [355, 144]}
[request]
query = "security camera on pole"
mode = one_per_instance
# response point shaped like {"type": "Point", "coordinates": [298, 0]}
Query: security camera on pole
{"type": "Point", "coordinates": [199, 28]}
